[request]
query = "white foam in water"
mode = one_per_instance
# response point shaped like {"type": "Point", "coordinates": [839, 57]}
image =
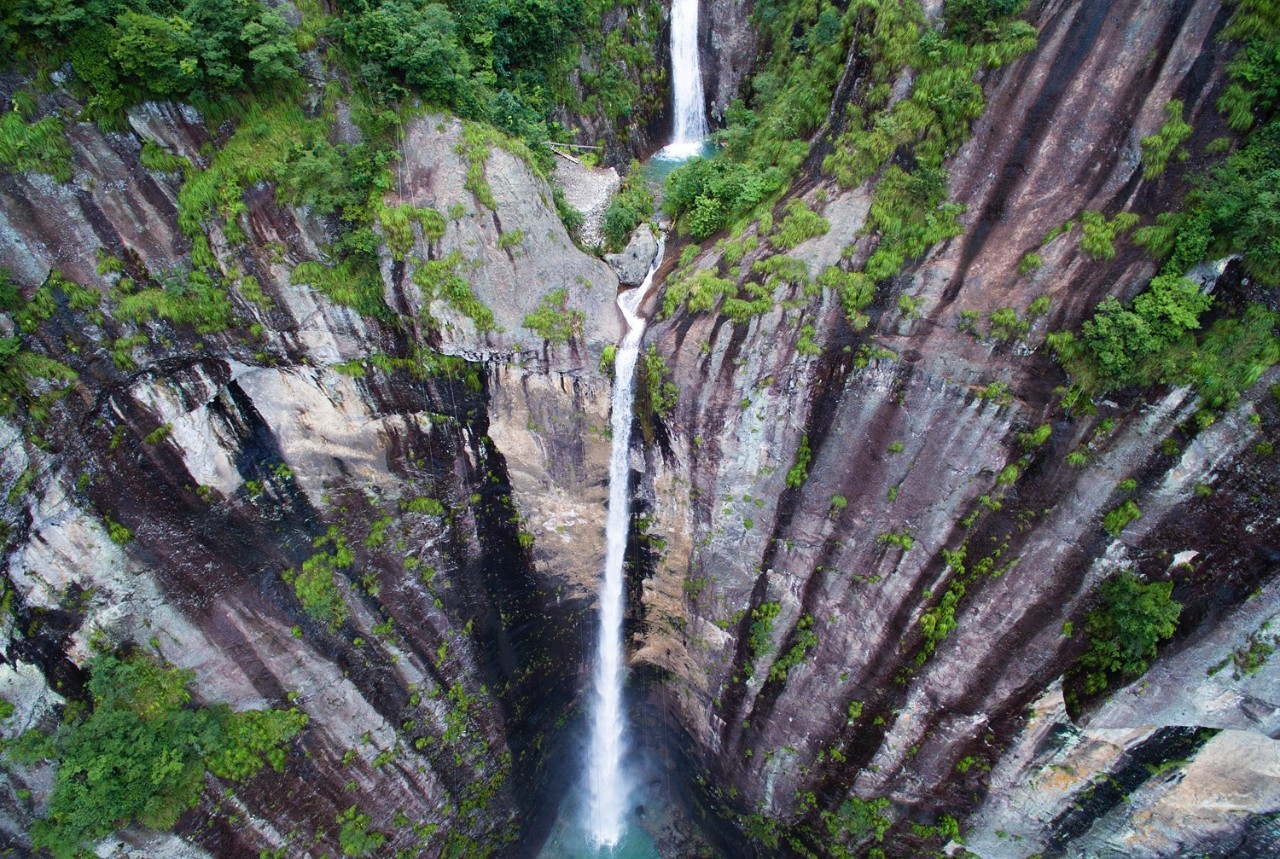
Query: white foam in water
{"type": "Point", "coordinates": [690, 125]}
{"type": "Point", "coordinates": [607, 785]}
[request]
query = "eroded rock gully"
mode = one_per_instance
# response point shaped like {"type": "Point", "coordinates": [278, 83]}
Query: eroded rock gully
{"type": "Point", "coordinates": [462, 628]}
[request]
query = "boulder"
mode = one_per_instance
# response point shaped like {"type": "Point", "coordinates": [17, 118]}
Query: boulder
{"type": "Point", "coordinates": [632, 264]}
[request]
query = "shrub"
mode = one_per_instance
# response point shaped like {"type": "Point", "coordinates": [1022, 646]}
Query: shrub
{"type": "Point", "coordinates": [1124, 631]}
{"type": "Point", "coordinates": [1116, 520]}
{"type": "Point", "coordinates": [38, 146]}
{"type": "Point", "coordinates": [799, 473]}
{"type": "Point", "coordinates": [554, 321]}
{"type": "Point", "coordinates": [1005, 325]}
{"type": "Point", "coordinates": [1099, 236]}
{"type": "Point", "coordinates": [760, 633]}
{"type": "Point", "coordinates": [1159, 147]}
{"type": "Point", "coordinates": [316, 583]}
{"type": "Point", "coordinates": [630, 207]}
{"type": "Point", "coordinates": [141, 752]}
{"type": "Point", "coordinates": [708, 195]}
{"type": "Point", "coordinates": [442, 279]}
{"type": "Point", "coordinates": [805, 639]}
{"type": "Point", "coordinates": [800, 224]}
{"type": "Point", "coordinates": [1036, 437]}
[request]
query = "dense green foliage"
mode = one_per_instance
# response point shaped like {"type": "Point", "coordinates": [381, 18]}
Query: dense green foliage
{"type": "Point", "coordinates": [1124, 630]}
{"type": "Point", "coordinates": [315, 584]}
{"type": "Point", "coordinates": [794, 95]}
{"type": "Point", "coordinates": [142, 752]}
{"type": "Point", "coordinates": [1163, 145]}
{"type": "Point", "coordinates": [1235, 210]}
{"type": "Point", "coordinates": [500, 62]}
{"type": "Point", "coordinates": [629, 208]}
{"type": "Point", "coordinates": [127, 51]}
{"type": "Point", "coordinates": [29, 380]}
{"type": "Point", "coordinates": [40, 146]}
{"type": "Point", "coordinates": [760, 631]}
{"type": "Point", "coordinates": [710, 194]}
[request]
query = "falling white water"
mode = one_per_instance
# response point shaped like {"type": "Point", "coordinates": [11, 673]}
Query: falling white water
{"type": "Point", "coordinates": [686, 84]}
{"type": "Point", "coordinates": [606, 783]}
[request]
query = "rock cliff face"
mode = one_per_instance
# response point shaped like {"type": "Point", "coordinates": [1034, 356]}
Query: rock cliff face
{"type": "Point", "coordinates": [471, 494]}
{"type": "Point", "coordinates": [432, 707]}
{"type": "Point", "coordinates": [907, 454]}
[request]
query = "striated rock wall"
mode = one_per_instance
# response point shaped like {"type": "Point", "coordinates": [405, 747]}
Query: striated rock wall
{"type": "Point", "coordinates": [910, 448]}
{"type": "Point", "coordinates": [436, 707]}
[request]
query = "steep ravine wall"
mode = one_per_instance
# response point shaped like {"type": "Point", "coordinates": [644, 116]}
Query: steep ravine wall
{"type": "Point", "coordinates": [437, 707]}
{"type": "Point", "coordinates": [903, 437]}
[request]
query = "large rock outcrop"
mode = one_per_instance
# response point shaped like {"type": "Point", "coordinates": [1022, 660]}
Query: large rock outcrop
{"type": "Point", "coordinates": [906, 442]}
{"type": "Point", "coordinates": [183, 475]}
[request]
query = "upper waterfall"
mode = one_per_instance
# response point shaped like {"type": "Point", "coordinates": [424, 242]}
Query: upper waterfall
{"type": "Point", "coordinates": [688, 102]}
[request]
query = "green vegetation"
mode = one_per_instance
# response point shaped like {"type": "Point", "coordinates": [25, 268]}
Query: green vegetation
{"type": "Point", "coordinates": [29, 380]}
{"type": "Point", "coordinates": [354, 836]}
{"type": "Point", "coordinates": [760, 633]}
{"type": "Point", "coordinates": [195, 299]}
{"type": "Point", "coordinates": [37, 146]}
{"type": "Point", "coordinates": [1005, 325]}
{"type": "Point", "coordinates": [158, 434]}
{"type": "Point", "coordinates": [1161, 146]}
{"type": "Point", "coordinates": [661, 392]}
{"type": "Point", "coordinates": [316, 583]}
{"type": "Point", "coordinates": [442, 279]}
{"type": "Point", "coordinates": [397, 223]}
{"type": "Point", "coordinates": [800, 223]}
{"type": "Point", "coordinates": [123, 52]}
{"type": "Point", "coordinates": [608, 358]}
{"type": "Point", "coordinates": [1123, 632]}
{"type": "Point", "coordinates": [153, 157]}
{"type": "Point", "coordinates": [856, 822]}
{"type": "Point", "coordinates": [910, 213]}
{"type": "Point", "coordinates": [1159, 337]}
{"type": "Point", "coordinates": [119, 534]}
{"type": "Point", "coordinates": [1099, 234]}
{"type": "Point", "coordinates": [1116, 520]}
{"type": "Point", "coordinates": [1035, 438]}
{"type": "Point", "coordinates": [141, 752]}
{"type": "Point", "coordinates": [799, 473]}
{"type": "Point", "coordinates": [554, 321]}
{"type": "Point", "coordinates": [805, 640]}
{"type": "Point", "coordinates": [901, 539]}
{"type": "Point", "coordinates": [710, 194]}
{"type": "Point", "coordinates": [1252, 94]}
{"type": "Point", "coordinates": [628, 209]}
{"type": "Point", "coordinates": [503, 64]}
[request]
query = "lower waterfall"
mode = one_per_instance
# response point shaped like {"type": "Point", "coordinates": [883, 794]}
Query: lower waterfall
{"type": "Point", "coordinates": [607, 785]}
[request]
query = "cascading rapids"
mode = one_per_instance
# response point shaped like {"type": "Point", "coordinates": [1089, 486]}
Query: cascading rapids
{"type": "Point", "coordinates": [607, 784]}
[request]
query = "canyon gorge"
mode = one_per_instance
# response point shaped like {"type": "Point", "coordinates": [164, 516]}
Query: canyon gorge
{"type": "Point", "coordinates": [905, 574]}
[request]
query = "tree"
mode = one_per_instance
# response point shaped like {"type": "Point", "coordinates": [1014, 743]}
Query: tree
{"type": "Point", "coordinates": [1124, 631]}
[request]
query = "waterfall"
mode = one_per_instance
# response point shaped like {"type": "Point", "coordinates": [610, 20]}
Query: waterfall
{"type": "Point", "coordinates": [686, 83]}
{"type": "Point", "coordinates": [606, 783]}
